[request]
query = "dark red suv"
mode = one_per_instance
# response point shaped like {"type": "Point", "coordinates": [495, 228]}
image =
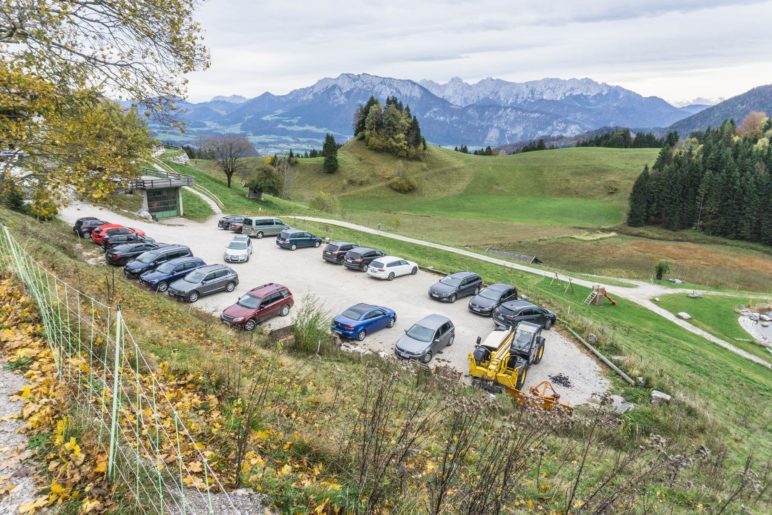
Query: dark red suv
{"type": "Point", "coordinates": [259, 305]}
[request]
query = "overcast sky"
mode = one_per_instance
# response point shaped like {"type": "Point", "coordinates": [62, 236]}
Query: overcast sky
{"type": "Point", "coordinates": [677, 50]}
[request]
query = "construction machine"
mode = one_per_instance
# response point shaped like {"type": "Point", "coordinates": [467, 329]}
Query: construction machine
{"type": "Point", "coordinates": [501, 363]}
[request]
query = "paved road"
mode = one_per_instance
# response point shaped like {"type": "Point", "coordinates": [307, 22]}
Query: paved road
{"type": "Point", "coordinates": [641, 294]}
{"type": "Point", "coordinates": [335, 288]}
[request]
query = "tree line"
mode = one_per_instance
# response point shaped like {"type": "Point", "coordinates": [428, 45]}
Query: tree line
{"type": "Point", "coordinates": [623, 138]}
{"type": "Point", "coordinates": [717, 182]}
{"type": "Point", "coordinates": [391, 128]}
{"type": "Point", "coordinates": [487, 151]}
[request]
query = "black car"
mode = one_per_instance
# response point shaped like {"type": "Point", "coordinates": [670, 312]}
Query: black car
{"type": "Point", "coordinates": [335, 251]}
{"type": "Point", "coordinates": [453, 286]}
{"type": "Point", "coordinates": [513, 312]}
{"type": "Point", "coordinates": [359, 258]}
{"type": "Point", "coordinates": [122, 254]}
{"type": "Point", "coordinates": [114, 240]}
{"type": "Point", "coordinates": [491, 297]}
{"type": "Point", "coordinates": [152, 259]}
{"type": "Point", "coordinates": [84, 226]}
{"type": "Point", "coordinates": [226, 221]}
{"type": "Point", "coordinates": [202, 281]}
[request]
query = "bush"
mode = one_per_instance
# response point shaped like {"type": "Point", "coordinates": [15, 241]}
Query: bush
{"type": "Point", "coordinates": [325, 202]}
{"type": "Point", "coordinates": [662, 268]}
{"type": "Point", "coordinates": [311, 330]}
{"type": "Point", "coordinates": [403, 184]}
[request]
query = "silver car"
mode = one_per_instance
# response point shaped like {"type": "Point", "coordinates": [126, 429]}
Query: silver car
{"type": "Point", "coordinates": [204, 281]}
{"type": "Point", "coordinates": [425, 338]}
{"type": "Point", "coordinates": [238, 250]}
{"type": "Point", "coordinates": [259, 226]}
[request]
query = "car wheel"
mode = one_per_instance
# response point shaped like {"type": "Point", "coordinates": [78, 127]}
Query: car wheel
{"type": "Point", "coordinates": [391, 276]}
{"type": "Point", "coordinates": [452, 298]}
{"type": "Point", "coordinates": [539, 354]}
{"type": "Point", "coordinates": [230, 287]}
{"type": "Point", "coordinates": [521, 378]}
{"type": "Point", "coordinates": [548, 325]}
{"type": "Point", "coordinates": [414, 270]}
{"type": "Point", "coordinates": [364, 268]}
{"type": "Point", "coordinates": [426, 358]}
{"type": "Point", "coordinates": [317, 243]}
{"type": "Point", "coordinates": [361, 335]}
{"type": "Point", "coordinates": [193, 296]}
{"type": "Point", "coordinates": [259, 235]}
{"type": "Point", "coordinates": [452, 338]}
{"type": "Point", "coordinates": [294, 247]}
{"type": "Point", "coordinates": [392, 321]}
{"type": "Point", "coordinates": [285, 310]}
{"type": "Point", "coordinates": [250, 325]}
{"type": "Point", "coordinates": [162, 286]}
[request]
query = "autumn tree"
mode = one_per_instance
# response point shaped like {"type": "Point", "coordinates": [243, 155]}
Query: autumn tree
{"type": "Point", "coordinates": [60, 60]}
{"type": "Point", "coordinates": [753, 123]}
{"type": "Point", "coordinates": [265, 179]}
{"type": "Point", "coordinates": [227, 150]}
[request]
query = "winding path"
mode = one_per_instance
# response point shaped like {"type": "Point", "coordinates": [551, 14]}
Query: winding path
{"type": "Point", "coordinates": [641, 294]}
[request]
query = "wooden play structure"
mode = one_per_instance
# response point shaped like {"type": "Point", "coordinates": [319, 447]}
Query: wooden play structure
{"type": "Point", "coordinates": [597, 294]}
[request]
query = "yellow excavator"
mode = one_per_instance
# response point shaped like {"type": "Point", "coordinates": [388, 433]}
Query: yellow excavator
{"type": "Point", "coordinates": [501, 363]}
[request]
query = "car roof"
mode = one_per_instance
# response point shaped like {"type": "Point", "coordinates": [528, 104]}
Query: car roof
{"type": "Point", "coordinates": [171, 247]}
{"type": "Point", "coordinates": [433, 321]}
{"type": "Point", "coordinates": [264, 289]}
{"type": "Point", "coordinates": [338, 243]}
{"type": "Point", "coordinates": [361, 307]}
{"type": "Point", "coordinates": [500, 287]}
{"type": "Point", "coordinates": [184, 259]}
{"type": "Point", "coordinates": [240, 237]}
{"type": "Point", "coordinates": [211, 268]}
{"type": "Point", "coordinates": [519, 304]}
{"type": "Point", "coordinates": [361, 250]}
{"type": "Point", "coordinates": [389, 259]}
{"type": "Point", "coordinates": [462, 275]}
{"type": "Point", "coordinates": [293, 231]}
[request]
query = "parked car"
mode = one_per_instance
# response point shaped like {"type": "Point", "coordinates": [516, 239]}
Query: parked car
{"type": "Point", "coordinates": [389, 267]}
{"type": "Point", "coordinates": [113, 240]}
{"type": "Point", "coordinates": [122, 254]}
{"type": "Point", "coordinates": [259, 226]}
{"type": "Point", "coordinates": [152, 259]}
{"type": "Point", "coordinates": [511, 313]}
{"type": "Point", "coordinates": [453, 286]}
{"type": "Point", "coordinates": [335, 251]}
{"type": "Point", "coordinates": [204, 281]}
{"type": "Point", "coordinates": [492, 297]}
{"type": "Point", "coordinates": [296, 239]}
{"type": "Point", "coordinates": [225, 221]}
{"type": "Point", "coordinates": [238, 250]}
{"type": "Point", "coordinates": [174, 269]}
{"type": "Point", "coordinates": [362, 319]}
{"type": "Point", "coordinates": [96, 232]}
{"type": "Point", "coordinates": [258, 305]}
{"type": "Point", "coordinates": [359, 258]}
{"type": "Point", "coordinates": [83, 227]}
{"type": "Point", "coordinates": [425, 338]}
{"type": "Point", "coordinates": [100, 233]}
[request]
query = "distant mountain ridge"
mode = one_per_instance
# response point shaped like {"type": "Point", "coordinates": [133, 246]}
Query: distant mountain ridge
{"type": "Point", "coordinates": [490, 112]}
{"type": "Point", "coordinates": [735, 108]}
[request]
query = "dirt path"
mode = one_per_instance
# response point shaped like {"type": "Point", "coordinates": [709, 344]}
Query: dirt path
{"type": "Point", "coordinates": [16, 484]}
{"type": "Point", "coordinates": [640, 295]}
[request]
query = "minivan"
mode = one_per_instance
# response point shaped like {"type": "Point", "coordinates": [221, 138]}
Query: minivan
{"type": "Point", "coordinates": [259, 226]}
{"type": "Point", "coordinates": [295, 239]}
{"type": "Point", "coordinates": [152, 259]}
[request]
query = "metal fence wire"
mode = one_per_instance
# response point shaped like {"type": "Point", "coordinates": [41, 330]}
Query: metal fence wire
{"type": "Point", "coordinates": [115, 391]}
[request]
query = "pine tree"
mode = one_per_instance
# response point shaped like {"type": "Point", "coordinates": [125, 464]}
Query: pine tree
{"type": "Point", "coordinates": [639, 200]}
{"type": "Point", "coordinates": [330, 153]}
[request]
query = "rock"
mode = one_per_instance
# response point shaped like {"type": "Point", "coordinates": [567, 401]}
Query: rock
{"type": "Point", "coordinates": [683, 315]}
{"type": "Point", "coordinates": [658, 397]}
{"type": "Point", "coordinates": [746, 312]}
{"type": "Point", "coordinates": [620, 404]}
{"type": "Point", "coordinates": [754, 317]}
{"type": "Point", "coordinates": [764, 318]}
{"type": "Point", "coordinates": [181, 159]}
{"type": "Point", "coordinates": [656, 299]}
{"type": "Point", "coordinates": [676, 281]}
{"type": "Point", "coordinates": [765, 324]}
{"type": "Point", "coordinates": [695, 295]}
{"type": "Point", "coordinates": [592, 338]}
{"type": "Point", "coordinates": [145, 214]}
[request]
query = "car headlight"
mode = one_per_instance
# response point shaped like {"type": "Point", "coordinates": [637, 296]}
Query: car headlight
{"type": "Point", "coordinates": [238, 319]}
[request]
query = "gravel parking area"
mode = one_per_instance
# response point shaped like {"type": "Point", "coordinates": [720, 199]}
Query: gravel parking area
{"type": "Point", "coordinates": [336, 288]}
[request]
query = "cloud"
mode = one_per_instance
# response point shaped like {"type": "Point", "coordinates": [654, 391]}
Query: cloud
{"type": "Point", "coordinates": [655, 47]}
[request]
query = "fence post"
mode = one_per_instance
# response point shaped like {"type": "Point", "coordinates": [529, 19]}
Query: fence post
{"type": "Point", "coordinates": [116, 379]}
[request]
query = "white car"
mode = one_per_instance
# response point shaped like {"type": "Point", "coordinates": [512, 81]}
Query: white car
{"type": "Point", "coordinates": [238, 250]}
{"type": "Point", "coordinates": [389, 267]}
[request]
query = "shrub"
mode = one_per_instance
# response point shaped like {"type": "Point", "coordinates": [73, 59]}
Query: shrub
{"type": "Point", "coordinates": [311, 330]}
{"type": "Point", "coordinates": [325, 202]}
{"type": "Point", "coordinates": [403, 183]}
{"type": "Point", "coordinates": [662, 268]}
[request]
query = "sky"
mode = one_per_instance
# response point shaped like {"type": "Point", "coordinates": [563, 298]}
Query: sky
{"type": "Point", "coordinates": [677, 50]}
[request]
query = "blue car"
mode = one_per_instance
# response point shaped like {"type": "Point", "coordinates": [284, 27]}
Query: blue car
{"type": "Point", "coordinates": [160, 278]}
{"type": "Point", "coordinates": [296, 239]}
{"type": "Point", "coordinates": [362, 319]}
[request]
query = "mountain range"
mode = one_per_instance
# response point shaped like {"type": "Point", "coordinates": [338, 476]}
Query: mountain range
{"type": "Point", "coordinates": [490, 112]}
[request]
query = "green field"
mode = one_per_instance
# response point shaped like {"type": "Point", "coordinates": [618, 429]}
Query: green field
{"type": "Point", "coordinates": [194, 207]}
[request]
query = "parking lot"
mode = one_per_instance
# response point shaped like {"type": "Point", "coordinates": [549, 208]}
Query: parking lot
{"type": "Point", "coordinates": [336, 288]}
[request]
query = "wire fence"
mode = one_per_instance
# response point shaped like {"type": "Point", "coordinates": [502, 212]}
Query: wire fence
{"type": "Point", "coordinates": [151, 454]}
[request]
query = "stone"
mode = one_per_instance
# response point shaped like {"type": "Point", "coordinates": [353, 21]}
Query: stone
{"type": "Point", "coordinates": [658, 397]}
{"type": "Point", "coordinates": [676, 281]}
{"type": "Point", "coordinates": [683, 315]}
{"type": "Point", "coordinates": [620, 404]}
{"type": "Point", "coordinates": [592, 338]}
{"type": "Point", "coordinates": [764, 318]}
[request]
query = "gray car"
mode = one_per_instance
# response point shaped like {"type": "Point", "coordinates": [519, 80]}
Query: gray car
{"type": "Point", "coordinates": [204, 281]}
{"type": "Point", "coordinates": [425, 338]}
{"type": "Point", "coordinates": [453, 286]}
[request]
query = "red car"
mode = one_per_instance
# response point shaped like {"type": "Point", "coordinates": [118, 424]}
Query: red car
{"type": "Point", "coordinates": [98, 234]}
{"type": "Point", "coordinates": [259, 305]}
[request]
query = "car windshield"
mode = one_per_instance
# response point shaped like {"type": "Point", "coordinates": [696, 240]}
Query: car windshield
{"type": "Point", "coordinates": [420, 333]}
{"type": "Point", "coordinates": [490, 294]}
{"type": "Point", "coordinates": [195, 277]}
{"type": "Point", "coordinates": [248, 301]}
{"type": "Point", "coordinates": [237, 245]}
{"type": "Point", "coordinates": [147, 257]}
{"type": "Point", "coordinates": [166, 268]}
{"type": "Point", "coordinates": [352, 313]}
{"type": "Point", "coordinates": [451, 281]}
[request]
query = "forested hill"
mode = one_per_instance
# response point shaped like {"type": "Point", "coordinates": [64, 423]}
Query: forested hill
{"type": "Point", "coordinates": [735, 108]}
